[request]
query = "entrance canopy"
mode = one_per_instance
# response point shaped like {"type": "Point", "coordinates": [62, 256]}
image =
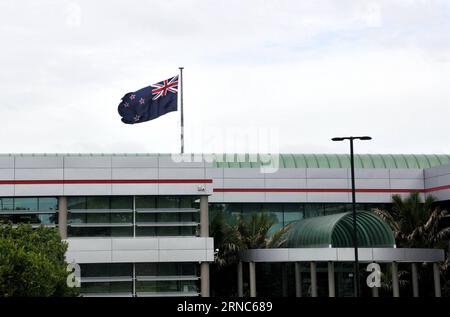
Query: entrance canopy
{"type": "Point", "coordinates": [336, 231]}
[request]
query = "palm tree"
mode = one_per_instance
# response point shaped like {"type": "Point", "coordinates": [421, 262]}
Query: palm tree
{"type": "Point", "coordinates": [415, 223]}
{"type": "Point", "coordinates": [241, 232]}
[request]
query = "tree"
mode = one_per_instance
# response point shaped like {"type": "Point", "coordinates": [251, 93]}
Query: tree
{"type": "Point", "coordinates": [417, 224]}
{"type": "Point", "coordinates": [233, 234]}
{"type": "Point", "coordinates": [32, 262]}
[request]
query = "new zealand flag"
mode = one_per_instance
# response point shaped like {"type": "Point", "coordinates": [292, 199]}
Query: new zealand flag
{"type": "Point", "coordinates": [150, 102]}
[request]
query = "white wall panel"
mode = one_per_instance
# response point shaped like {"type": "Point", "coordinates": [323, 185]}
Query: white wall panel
{"type": "Point", "coordinates": [328, 197]}
{"type": "Point", "coordinates": [370, 173]}
{"type": "Point", "coordinates": [244, 197]}
{"type": "Point", "coordinates": [326, 173]}
{"type": "Point", "coordinates": [39, 173]}
{"type": "Point", "coordinates": [407, 183]}
{"type": "Point", "coordinates": [287, 173]}
{"type": "Point", "coordinates": [134, 189]}
{"type": "Point", "coordinates": [127, 256]}
{"type": "Point", "coordinates": [87, 161]}
{"type": "Point", "coordinates": [88, 257]}
{"type": "Point", "coordinates": [373, 197]}
{"type": "Point", "coordinates": [372, 183]}
{"type": "Point", "coordinates": [181, 173]}
{"type": "Point", "coordinates": [243, 183]}
{"type": "Point", "coordinates": [182, 255]}
{"type": "Point", "coordinates": [6, 190]}
{"type": "Point", "coordinates": [406, 173]}
{"type": "Point", "coordinates": [286, 183]}
{"type": "Point", "coordinates": [39, 161]}
{"type": "Point", "coordinates": [272, 197]}
{"type": "Point", "coordinates": [6, 161]}
{"type": "Point", "coordinates": [253, 173]}
{"type": "Point", "coordinates": [327, 183]}
{"type": "Point", "coordinates": [87, 189]}
{"type": "Point", "coordinates": [39, 190]}
{"type": "Point", "coordinates": [6, 174]}
{"type": "Point", "coordinates": [134, 161]}
{"type": "Point", "coordinates": [135, 173]}
{"type": "Point", "coordinates": [87, 173]}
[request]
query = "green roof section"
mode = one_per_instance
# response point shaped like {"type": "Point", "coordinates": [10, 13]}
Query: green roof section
{"type": "Point", "coordinates": [409, 161]}
{"type": "Point", "coordinates": [337, 231]}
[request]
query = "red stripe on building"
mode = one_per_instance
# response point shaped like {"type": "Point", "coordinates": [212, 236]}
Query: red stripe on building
{"type": "Point", "coordinates": [104, 181]}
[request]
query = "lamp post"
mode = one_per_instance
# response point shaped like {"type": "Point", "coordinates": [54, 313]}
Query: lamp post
{"type": "Point", "coordinates": [355, 240]}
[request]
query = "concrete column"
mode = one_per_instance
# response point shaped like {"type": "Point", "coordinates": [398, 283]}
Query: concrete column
{"type": "Point", "coordinates": [415, 279]}
{"type": "Point", "coordinates": [437, 280]}
{"type": "Point", "coordinates": [240, 279]}
{"type": "Point", "coordinates": [298, 280]}
{"type": "Point", "coordinates": [313, 266]}
{"type": "Point", "coordinates": [62, 217]}
{"type": "Point", "coordinates": [204, 221]}
{"type": "Point", "coordinates": [331, 283]}
{"type": "Point", "coordinates": [204, 232]}
{"type": "Point", "coordinates": [204, 279]}
{"type": "Point", "coordinates": [284, 280]}
{"type": "Point", "coordinates": [395, 286]}
{"type": "Point", "coordinates": [252, 270]}
{"type": "Point", "coordinates": [375, 292]}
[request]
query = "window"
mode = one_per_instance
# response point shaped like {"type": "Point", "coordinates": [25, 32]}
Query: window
{"type": "Point", "coordinates": [76, 203]}
{"type": "Point", "coordinates": [122, 202]}
{"type": "Point", "coordinates": [145, 202]}
{"type": "Point", "coordinates": [48, 203]}
{"type": "Point", "coordinates": [26, 203]}
{"type": "Point", "coordinates": [6, 203]}
{"type": "Point", "coordinates": [97, 202]}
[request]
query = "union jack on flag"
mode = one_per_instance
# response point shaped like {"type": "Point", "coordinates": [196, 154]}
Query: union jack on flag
{"type": "Point", "coordinates": [150, 102]}
{"type": "Point", "coordinates": [162, 88]}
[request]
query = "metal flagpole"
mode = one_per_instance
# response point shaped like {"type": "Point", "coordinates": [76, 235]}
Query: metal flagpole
{"type": "Point", "coordinates": [181, 110]}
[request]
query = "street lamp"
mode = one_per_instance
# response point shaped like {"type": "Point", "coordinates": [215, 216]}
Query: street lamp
{"type": "Point", "coordinates": [355, 240]}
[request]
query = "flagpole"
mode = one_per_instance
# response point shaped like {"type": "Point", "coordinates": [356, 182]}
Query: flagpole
{"type": "Point", "coordinates": [181, 110]}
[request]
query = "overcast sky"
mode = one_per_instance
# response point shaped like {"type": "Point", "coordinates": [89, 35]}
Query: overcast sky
{"type": "Point", "coordinates": [304, 71]}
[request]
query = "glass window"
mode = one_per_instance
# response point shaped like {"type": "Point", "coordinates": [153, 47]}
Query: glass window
{"type": "Point", "coordinates": [168, 269]}
{"type": "Point", "coordinates": [121, 231]}
{"type": "Point", "coordinates": [330, 209]}
{"type": "Point", "coordinates": [187, 202]}
{"type": "Point", "coordinates": [168, 202]}
{"type": "Point", "coordinates": [145, 231]}
{"type": "Point", "coordinates": [6, 203]}
{"type": "Point", "coordinates": [48, 203]}
{"type": "Point", "coordinates": [26, 203]}
{"type": "Point", "coordinates": [145, 202]}
{"type": "Point", "coordinates": [121, 218]}
{"type": "Point", "coordinates": [168, 217]}
{"type": "Point", "coordinates": [97, 218]}
{"type": "Point", "coordinates": [147, 286]}
{"type": "Point", "coordinates": [293, 212]}
{"type": "Point", "coordinates": [313, 210]}
{"type": "Point", "coordinates": [251, 208]}
{"type": "Point", "coordinates": [146, 269]}
{"type": "Point", "coordinates": [188, 231]}
{"type": "Point", "coordinates": [76, 203]}
{"type": "Point", "coordinates": [97, 202]}
{"type": "Point", "coordinates": [151, 217]}
{"type": "Point", "coordinates": [121, 202]}
{"type": "Point", "coordinates": [167, 231]}
{"type": "Point", "coordinates": [188, 269]}
{"type": "Point", "coordinates": [77, 218]}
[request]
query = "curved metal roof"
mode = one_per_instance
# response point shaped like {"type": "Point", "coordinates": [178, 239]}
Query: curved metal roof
{"type": "Point", "coordinates": [336, 231]}
{"type": "Point", "coordinates": [336, 160]}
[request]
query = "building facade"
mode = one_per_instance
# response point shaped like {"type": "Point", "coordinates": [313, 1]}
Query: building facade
{"type": "Point", "coordinates": [138, 224]}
